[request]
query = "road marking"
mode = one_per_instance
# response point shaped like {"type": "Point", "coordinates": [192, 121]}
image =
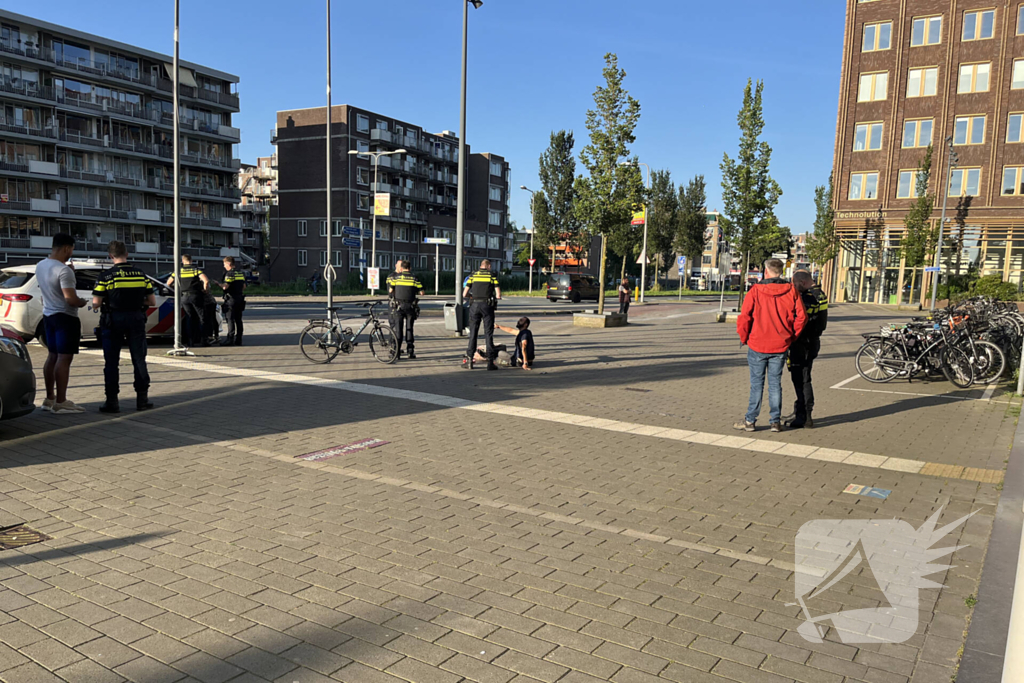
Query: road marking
{"type": "Point", "coordinates": [844, 382]}
{"type": "Point", "coordinates": [721, 440]}
{"type": "Point", "coordinates": [987, 396]}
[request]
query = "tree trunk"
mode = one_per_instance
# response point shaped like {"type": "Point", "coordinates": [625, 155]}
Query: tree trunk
{"type": "Point", "coordinates": [623, 275]}
{"type": "Point", "coordinates": [604, 259]}
{"type": "Point", "coordinates": [743, 281]}
{"type": "Point", "coordinates": [913, 281]}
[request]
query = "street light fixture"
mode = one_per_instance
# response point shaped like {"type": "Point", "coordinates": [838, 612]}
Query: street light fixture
{"type": "Point", "coordinates": [532, 228]}
{"type": "Point", "coordinates": [460, 216]}
{"type": "Point", "coordinates": [376, 169]}
{"type": "Point", "coordinates": [643, 254]}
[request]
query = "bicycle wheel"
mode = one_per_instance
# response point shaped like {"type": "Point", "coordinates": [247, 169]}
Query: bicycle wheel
{"type": "Point", "coordinates": [319, 342]}
{"type": "Point", "coordinates": [956, 366]}
{"type": "Point", "coordinates": [989, 362]}
{"type": "Point", "coordinates": [871, 354]}
{"type": "Point", "coordinates": [384, 345]}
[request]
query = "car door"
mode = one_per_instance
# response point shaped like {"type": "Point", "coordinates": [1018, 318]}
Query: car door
{"type": "Point", "coordinates": [85, 282]}
{"type": "Point", "coordinates": [160, 318]}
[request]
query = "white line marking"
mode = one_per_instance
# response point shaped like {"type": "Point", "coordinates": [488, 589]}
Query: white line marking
{"type": "Point", "coordinates": [987, 396]}
{"type": "Point", "coordinates": [844, 382]}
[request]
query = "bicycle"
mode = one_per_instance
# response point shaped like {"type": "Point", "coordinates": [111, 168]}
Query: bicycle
{"type": "Point", "coordinates": [322, 340]}
{"type": "Point", "coordinates": [899, 353]}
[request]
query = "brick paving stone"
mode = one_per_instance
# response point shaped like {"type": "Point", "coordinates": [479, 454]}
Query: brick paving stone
{"type": "Point", "coordinates": [148, 670]}
{"type": "Point", "coordinates": [108, 652]}
{"type": "Point", "coordinates": [51, 654]}
{"type": "Point", "coordinates": [86, 671]}
{"type": "Point", "coordinates": [28, 673]}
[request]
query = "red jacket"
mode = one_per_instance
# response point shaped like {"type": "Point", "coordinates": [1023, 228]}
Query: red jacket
{"type": "Point", "coordinates": [772, 318]}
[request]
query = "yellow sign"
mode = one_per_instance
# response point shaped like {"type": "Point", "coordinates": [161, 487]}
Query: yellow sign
{"type": "Point", "coordinates": [640, 216]}
{"type": "Point", "coordinates": [382, 204]}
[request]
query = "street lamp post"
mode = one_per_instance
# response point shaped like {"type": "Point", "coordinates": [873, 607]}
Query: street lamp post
{"type": "Point", "coordinates": [647, 216]}
{"type": "Point", "coordinates": [178, 349]}
{"type": "Point", "coordinates": [460, 216]}
{"type": "Point", "coordinates": [329, 267]}
{"type": "Point", "coordinates": [532, 228]}
{"type": "Point", "coordinates": [376, 169]}
{"type": "Point", "coordinates": [951, 163]}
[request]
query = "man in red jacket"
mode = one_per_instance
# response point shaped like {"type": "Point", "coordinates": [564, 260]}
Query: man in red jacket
{"type": "Point", "coordinates": [772, 318]}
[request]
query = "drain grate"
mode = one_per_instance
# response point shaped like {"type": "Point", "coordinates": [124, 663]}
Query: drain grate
{"type": "Point", "coordinates": [18, 536]}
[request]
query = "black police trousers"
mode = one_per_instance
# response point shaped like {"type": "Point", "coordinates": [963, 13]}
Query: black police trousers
{"type": "Point", "coordinates": [232, 309]}
{"type": "Point", "coordinates": [124, 327]}
{"type": "Point", "coordinates": [402, 319]}
{"type": "Point", "coordinates": [193, 308]}
{"type": "Point", "coordinates": [480, 312]}
{"type": "Point", "coordinates": [801, 362]}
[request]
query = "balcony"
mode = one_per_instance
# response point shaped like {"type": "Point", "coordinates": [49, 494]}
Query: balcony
{"type": "Point", "coordinates": [49, 132]}
{"type": "Point", "coordinates": [225, 98]}
{"type": "Point", "coordinates": [381, 135]}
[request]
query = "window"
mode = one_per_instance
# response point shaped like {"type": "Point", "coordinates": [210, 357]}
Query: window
{"type": "Point", "coordinates": [494, 242]}
{"type": "Point", "coordinates": [447, 263]}
{"type": "Point", "coordinates": [907, 186]}
{"type": "Point", "coordinates": [301, 253]}
{"type": "Point", "coordinates": [494, 217]}
{"type": "Point", "coordinates": [917, 133]}
{"type": "Point", "coordinates": [301, 228]}
{"type": "Point", "coordinates": [922, 82]}
{"type": "Point", "coordinates": [383, 125]}
{"type": "Point", "coordinates": [1013, 128]}
{"type": "Point", "coordinates": [323, 259]}
{"type": "Point", "coordinates": [926, 31]}
{"type": "Point", "coordinates": [877, 37]}
{"type": "Point", "coordinates": [1020, 20]}
{"type": "Point", "coordinates": [362, 146]}
{"type": "Point", "coordinates": [364, 202]}
{"type": "Point", "coordinates": [467, 239]}
{"type": "Point", "coordinates": [336, 230]}
{"type": "Point", "coordinates": [401, 234]}
{"type": "Point", "coordinates": [964, 182]}
{"type": "Point", "coordinates": [864, 185]}
{"type": "Point", "coordinates": [383, 260]}
{"type": "Point", "coordinates": [338, 260]}
{"type": "Point", "coordinates": [1017, 81]}
{"type": "Point", "coordinates": [362, 123]}
{"type": "Point", "coordinates": [974, 77]}
{"type": "Point", "coordinates": [323, 228]}
{"type": "Point", "coordinates": [868, 136]}
{"type": "Point", "coordinates": [496, 168]}
{"type": "Point", "coordinates": [479, 240]}
{"type": "Point", "coordinates": [969, 130]}
{"type": "Point", "coordinates": [363, 176]}
{"type": "Point", "coordinates": [979, 25]}
{"type": "Point", "coordinates": [353, 259]}
{"type": "Point", "coordinates": [495, 193]}
{"type": "Point", "coordinates": [424, 262]}
{"type": "Point", "coordinates": [1013, 181]}
{"type": "Point", "coordinates": [873, 87]}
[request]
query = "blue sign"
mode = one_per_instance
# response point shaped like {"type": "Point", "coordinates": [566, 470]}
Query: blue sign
{"type": "Point", "coordinates": [351, 231]}
{"type": "Point", "coordinates": [932, 269]}
{"type": "Point", "coordinates": [867, 491]}
{"type": "Point", "coordinates": [682, 262]}
{"type": "Point", "coordinates": [350, 242]}
{"type": "Point", "coordinates": [367, 233]}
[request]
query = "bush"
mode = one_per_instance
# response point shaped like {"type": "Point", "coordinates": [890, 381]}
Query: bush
{"type": "Point", "coordinates": [994, 287]}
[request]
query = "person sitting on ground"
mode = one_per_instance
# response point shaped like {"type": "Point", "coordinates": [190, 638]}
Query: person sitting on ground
{"type": "Point", "coordinates": [524, 351]}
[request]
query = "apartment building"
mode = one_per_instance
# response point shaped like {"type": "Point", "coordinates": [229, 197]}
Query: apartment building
{"type": "Point", "coordinates": [258, 185]}
{"type": "Point", "coordinates": [421, 183]}
{"type": "Point", "coordinates": [86, 140]}
{"type": "Point", "coordinates": [916, 72]}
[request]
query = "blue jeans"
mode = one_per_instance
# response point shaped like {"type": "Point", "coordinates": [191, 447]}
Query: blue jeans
{"type": "Point", "coordinates": [772, 364]}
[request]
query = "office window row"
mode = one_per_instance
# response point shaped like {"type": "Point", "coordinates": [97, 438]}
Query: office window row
{"type": "Point", "coordinates": [963, 182]}
{"type": "Point", "coordinates": [978, 25]}
{"type": "Point", "coordinates": [967, 130]}
{"type": "Point", "coordinates": [923, 81]}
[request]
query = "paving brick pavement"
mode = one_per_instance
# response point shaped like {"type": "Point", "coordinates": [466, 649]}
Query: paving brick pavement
{"type": "Point", "coordinates": [189, 543]}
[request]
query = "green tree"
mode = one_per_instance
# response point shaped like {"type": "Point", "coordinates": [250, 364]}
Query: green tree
{"type": "Point", "coordinates": [544, 232]}
{"type": "Point", "coordinates": [662, 220]}
{"type": "Point", "coordinates": [557, 178]}
{"type": "Point", "coordinates": [693, 220]}
{"type": "Point", "coordinates": [771, 239]}
{"type": "Point", "coordinates": [920, 237]}
{"type": "Point", "coordinates": [607, 194]}
{"type": "Point", "coordinates": [749, 193]}
{"type": "Point", "coordinates": [821, 246]}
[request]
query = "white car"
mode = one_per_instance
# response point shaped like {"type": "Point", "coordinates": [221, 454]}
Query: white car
{"type": "Point", "coordinates": [21, 306]}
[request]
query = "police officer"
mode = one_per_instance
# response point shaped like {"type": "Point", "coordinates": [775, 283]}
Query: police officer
{"type": "Point", "coordinates": [805, 349]}
{"type": "Point", "coordinates": [403, 287]}
{"type": "Point", "coordinates": [194, 285]}
{"type": "Point", "coordinates": [234, 301]}
{"type": "Point", "coordinates": [483, 287]}
{"type": "Point", "coordinates": [123, 293]}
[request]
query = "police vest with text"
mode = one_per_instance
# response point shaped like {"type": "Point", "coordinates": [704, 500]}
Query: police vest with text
{"type": "Point", "coordinates": [482, 286]}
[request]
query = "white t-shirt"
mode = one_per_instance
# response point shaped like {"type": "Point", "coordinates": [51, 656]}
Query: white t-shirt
{"type": "Point", "coordinates": [53, 277]}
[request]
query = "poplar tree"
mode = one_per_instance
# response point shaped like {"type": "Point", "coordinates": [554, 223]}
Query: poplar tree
{"type": "Point", "coordinates": [693, 220]}
{"type": "Point", "coordinates": [920, 237]}
{"type": "Point", "coordinates": [821, 245]}
{"type": "Point", "coordinates": [557, 178]}
{"type": "Point", "coordinates": [662, 219]}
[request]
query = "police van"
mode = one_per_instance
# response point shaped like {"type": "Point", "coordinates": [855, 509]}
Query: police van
{"type": "Point", "coordinates": [21, 305]}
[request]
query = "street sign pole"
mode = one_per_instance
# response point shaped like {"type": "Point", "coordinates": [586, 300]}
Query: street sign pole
{"type": "Point", "coordinates": [437, 268]}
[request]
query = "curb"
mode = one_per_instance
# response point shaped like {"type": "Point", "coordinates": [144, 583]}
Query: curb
{"type": "Point", "coordinates": [986, 646]}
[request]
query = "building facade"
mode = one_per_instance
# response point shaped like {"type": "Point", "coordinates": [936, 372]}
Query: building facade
{"type": "Point", "coordinates": [86, 139]}
{"type": "Point", "coordinates": [421, 184]}
{"type": "Point", "coordinates": [916, 73]}
{"type": "Point", "coordinates": [258, 185]}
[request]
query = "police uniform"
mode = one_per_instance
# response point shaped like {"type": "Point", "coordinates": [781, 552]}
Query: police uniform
{"type": "Point", "coordinates": [404, 310]}
{"type": "Point", "coordinates": [482, 286]}
{"type": "Point", "coordinates": [803, 352]}
{"type": "Point", "coordinates": [125, 291]}
{"type": "Point", "coordinates": [234, 304]}
{"type": "Point", "coordinates": [193, 301]}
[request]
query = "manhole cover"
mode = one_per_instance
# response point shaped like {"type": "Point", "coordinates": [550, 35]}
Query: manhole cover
{"type": "Point", "coordinates": [18, 536]}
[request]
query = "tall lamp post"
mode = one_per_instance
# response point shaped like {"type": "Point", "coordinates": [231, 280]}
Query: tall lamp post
{"type": "Point", "coordinates": [532, 228]}
{"type": "Point", "coordinates": [460, 216]}
{"type": "Point", "coordinates": [179, 349]}
{"type": "Point", "coordinates": [647, 216]}
{"type": "Point", "coordinates": [951, 163]}
{"type": "Point", "coordinates": [329, 268]}
{"type": "Point", "coordinates": [376, 169]}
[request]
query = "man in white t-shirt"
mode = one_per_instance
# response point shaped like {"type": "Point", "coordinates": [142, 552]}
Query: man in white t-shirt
{"type": "Point", "coordinates": [63, 329]}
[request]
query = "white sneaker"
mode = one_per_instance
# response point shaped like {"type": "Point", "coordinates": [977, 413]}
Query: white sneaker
{"type": "Point", "coordinates": [67, 407]}
{"type": "Point", "coordinates": [47, 405]}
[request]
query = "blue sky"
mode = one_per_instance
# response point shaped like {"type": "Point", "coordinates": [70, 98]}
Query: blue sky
{"type": "Point", "coordinates": [534, 65]}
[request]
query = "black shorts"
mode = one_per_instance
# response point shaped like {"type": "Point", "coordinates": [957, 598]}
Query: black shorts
{"type": "Point", "coordinates": [63, 333]}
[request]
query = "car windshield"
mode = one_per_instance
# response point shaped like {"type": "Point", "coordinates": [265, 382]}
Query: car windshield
{"type": "Point", "coordinates": [14, 280]}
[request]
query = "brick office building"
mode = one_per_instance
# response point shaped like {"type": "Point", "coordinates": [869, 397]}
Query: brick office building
{"type": "Point", "coordinates": [914, 73]}
{"type": "Point", "coordinates": [422, 184]}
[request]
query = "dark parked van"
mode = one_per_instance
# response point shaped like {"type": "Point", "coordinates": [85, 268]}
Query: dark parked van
{"type": "Point", "coordinates": [572, 287]}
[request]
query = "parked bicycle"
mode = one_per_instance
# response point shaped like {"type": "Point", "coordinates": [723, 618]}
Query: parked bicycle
{"type": "Point", "coordinates": [322, 340]}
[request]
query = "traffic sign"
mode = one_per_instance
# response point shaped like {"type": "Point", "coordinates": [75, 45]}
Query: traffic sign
{"type": "Point", "coordinates": [532, 261]}
{"type": "Point", "coordinates": [351, 231]}
{"type": "Point", "coordinates": [682, 262]}
{"type": "Point", "coordinates": [932, 269]}
{"type": "Point", "coordinates": [643, 258]}
{"type": "Point", "coordinates": [367, 233]}
{"type": "Point", "coordinates": [436, 240]}
{"type": "Point", "coordinates": [350, 242]}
